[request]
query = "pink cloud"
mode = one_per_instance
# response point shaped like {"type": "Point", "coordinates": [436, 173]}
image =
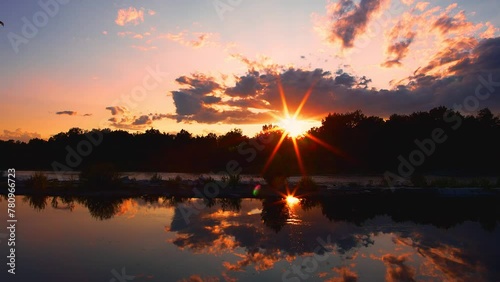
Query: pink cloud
{"type": "Point", "coordinates": [193, 39]}
{"type": "Point", "coordinates": [130, 15]}
{"type": "Point", "coordinates": [18, 134]}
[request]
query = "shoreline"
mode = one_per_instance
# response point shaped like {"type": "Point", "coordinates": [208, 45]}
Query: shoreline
{"type": "Point", "coordinates": [187, 189]}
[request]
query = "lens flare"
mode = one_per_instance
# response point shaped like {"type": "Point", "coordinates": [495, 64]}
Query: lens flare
{"type": "Point", "coordinates": [291, 200]}
{"type": "Point", "coordinates": [256, 190]}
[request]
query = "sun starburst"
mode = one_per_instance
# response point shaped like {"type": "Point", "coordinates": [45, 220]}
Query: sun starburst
{"type": "Point", "coordinates": [294, 128]}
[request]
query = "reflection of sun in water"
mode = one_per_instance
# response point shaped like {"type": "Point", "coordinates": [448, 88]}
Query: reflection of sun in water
{"type": "Point", "coordinates": [294, 128]}
{"type": "Point", "coordinates": [291, 200]}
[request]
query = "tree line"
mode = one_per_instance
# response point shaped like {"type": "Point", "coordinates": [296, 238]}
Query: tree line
{"type": "Point", "coordinates": [345, 143]}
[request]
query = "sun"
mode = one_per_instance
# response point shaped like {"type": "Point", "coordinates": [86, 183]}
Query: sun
{"type": "Point", "coordinates": [293, 127]}
{"type": "Point", "coordinates": [291, 200]}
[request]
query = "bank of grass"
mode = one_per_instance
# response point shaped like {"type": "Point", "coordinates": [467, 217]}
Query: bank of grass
{"type": "Point", "coordinates": [419, 180]}
{"type": "Point", "coordinates": [232, 181]}
{"type": "Point", "coordinates": [174, 182]}
{"type": "Point", "coordinates": [307, 185]}
{"type": "Point", "coordinates": [38, 181]}
{"type": "Point", "coordinates": [99, 176]}
{"type": "Point", "coordinates": [156, 178]}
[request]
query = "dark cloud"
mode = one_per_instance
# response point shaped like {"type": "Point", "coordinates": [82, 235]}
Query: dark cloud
{"type": "Point", "coordinates": [450, 76]}
{"type": "Point", "coordinates": [142, 120]}
{"type": "Point", "coordinates": [136, 122]}
{"type": "Point", "coordinates": [397, 270]}
{"type": "Point", "coordinates": [87, 115]}
{"type": "Point", "coordinates": [246, 86]}
{"type": "Point", "coordinates": [185, 103]}
{"type": "Point", "coordinates": [117, 110]}
{"type": "Point", "coordinates": [200, 84]}
{"type": "Point", "coordinates": [69, 113]}
{"type": "Point", "coordinates": [350, 20]}
{"type": "Point", "coordinates": [446, 24]}
{"type": "Point", "coordinates": [345, 79]}
{"type": "Point", "coordinates": [398, 50]}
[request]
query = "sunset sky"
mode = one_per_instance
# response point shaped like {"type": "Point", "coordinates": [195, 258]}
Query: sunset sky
{"type": "Point", "coordinates": [210, 66]}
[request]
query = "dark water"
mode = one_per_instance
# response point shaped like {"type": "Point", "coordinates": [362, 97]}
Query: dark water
{"type": "Point", "coordinates": [173, 239]}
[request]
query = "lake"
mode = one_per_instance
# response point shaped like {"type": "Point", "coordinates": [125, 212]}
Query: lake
{"type": "Point", "coordinates": [176, 239]}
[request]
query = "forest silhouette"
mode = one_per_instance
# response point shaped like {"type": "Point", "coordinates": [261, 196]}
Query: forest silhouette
{"type": "Point", "coordinates": [361, 143]}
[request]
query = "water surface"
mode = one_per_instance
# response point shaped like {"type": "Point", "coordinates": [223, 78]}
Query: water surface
{"type": "Point", "coordinates": [174, 239]}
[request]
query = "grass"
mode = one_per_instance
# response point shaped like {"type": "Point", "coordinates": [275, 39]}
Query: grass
{"type": "Point", "coordinates": [100, 175]}
{"type": "Point", "coordinates": [38, 181]}
{"type": "Point", "coordinates": [232, 181]}
{"type": "Point", "coordinates": [418, 180]}
{"type": "Point", "coordinates": [174, 182]}
{"type": "Point", "coordinates": [307, 184]}
{"type": "Point", "coordinates": [156, 178]}
{"type": "Point", "coordinates": [454, 183]}
{"type": "Point", "coordinates": [205, 180]}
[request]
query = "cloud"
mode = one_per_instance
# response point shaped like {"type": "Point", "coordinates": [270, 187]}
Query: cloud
{"type": "Point", "coordinates": [144, 48]}
{"type": "Point", "coordinates": [129, 16]}
{"type": "Point", "coordinates": [142, 120]}
{"type": "Point", "coordinates": [191, 39]}
{"type": "Point", "coordinates": [133, 35]}
{"type": "Point", "coordinates": [246, 86]}
{"type": "Point", "coordinates": [87, 115]}
{"type": "Point", "coordinates": [421, 5]}
{"type": "Point", "coordinates": [69, 113]}
{"type": "Point", "coordinates": [117, 110]}
{"type": "Point", "coordinates": [399, 50]}
{"type": "Point", "coordinates": [134, 122]}
{"type": "Point", "coordinates": [446, 80]}
{"type": "Point", "coordinates": [348, 20]}
{"type": "Point", "coordinates": [490, 31]}
{"type": "Point", "coordinates": [430, 28]}
{"type": "Point", "coordinates": [446, 24]}
{"type": "Point", "coordinates": [346, 275]}
{"type": "Point", "coordinates": [19, 135]}
{"type": "Point", "coordinates": [397, 270]}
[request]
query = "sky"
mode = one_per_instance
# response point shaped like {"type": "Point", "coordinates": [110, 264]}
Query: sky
{"type": "Point", "coordinates": [214, 65]}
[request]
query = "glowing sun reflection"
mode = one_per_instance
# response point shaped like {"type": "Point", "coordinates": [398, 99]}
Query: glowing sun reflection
{"type": "Point", "coordinates": [291, 200]}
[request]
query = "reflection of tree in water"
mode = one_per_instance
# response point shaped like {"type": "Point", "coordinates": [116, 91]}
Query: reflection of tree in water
{"type": "Point", "coordinates": [150, 199]}
{"type": "Point", "coordinates": [307, 203]}
{"type": "Point", "coordinates": [68, 203]}
{"type": "Point", "coordinates": [102, 207]}
{"type": "Point", "coordinates": [173, 201]}
{"type": "Point", "coordinates": [230, 204]}
{"type": "Point", "coordinates": [37, 201]}
{"type": "Point", "coordinates": [275, 213]}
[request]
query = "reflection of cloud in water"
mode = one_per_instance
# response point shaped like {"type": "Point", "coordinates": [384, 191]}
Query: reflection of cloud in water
{"type": "Point", "coordinates": [346, 275]}
{"type": "Point", "coordinates": [397, 270]}
{"type": "Point", "coordinates": [129, 207]}
{"type": "Point", "coordinates": [260, 259]}
{"type": "Point", "coordinates": [459, 253]}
